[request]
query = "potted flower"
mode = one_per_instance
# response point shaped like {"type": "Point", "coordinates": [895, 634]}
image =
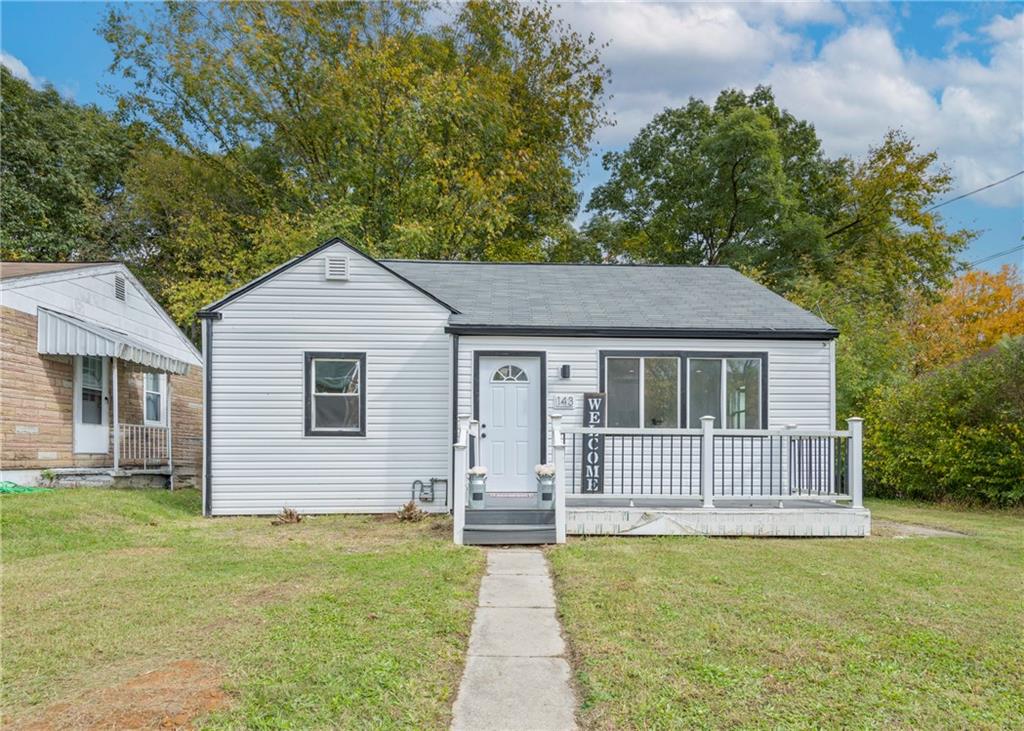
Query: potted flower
{"type": "Point", "coordinates": [477, 485]}
{"type": "Point", "coordinates": [545, 484]}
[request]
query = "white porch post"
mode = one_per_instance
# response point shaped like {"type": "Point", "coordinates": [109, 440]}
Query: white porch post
{"type": "Point", "coordinates": [459, 479]}
{"type": "Point", "coordinates": [786, 466]}
{"type": "Point", "coordinates": [856, 425]}
{"type": "Point", "coordinates": [558, 450]}
{"type": "Point", "coordinates": [170, 457]}
{"type": "Point", "coordinates": [116, 417]}
{"type": "Point", "coordinates": [707, 460]}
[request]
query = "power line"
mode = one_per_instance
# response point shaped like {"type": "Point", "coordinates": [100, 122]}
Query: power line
{"type": "Point", "coordinates": [972, 192]}
{"type": "Point", "coordinates": [998, 254]}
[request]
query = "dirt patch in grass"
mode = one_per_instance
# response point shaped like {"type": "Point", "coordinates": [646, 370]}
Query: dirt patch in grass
{"type": "Point", "coordinates": [892, 529]}
{"type": "Point", "coordinates": [170, 697]}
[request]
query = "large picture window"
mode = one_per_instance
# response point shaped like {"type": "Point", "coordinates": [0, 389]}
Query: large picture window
{"type": "Point", "coordinates": [662, 390]}
{"type": "Point", "coordinates": [728, 389]}
{"type": "Point", "coordinates": [643, 390]}
{"type": "Point", "coordinates": [335, 394]}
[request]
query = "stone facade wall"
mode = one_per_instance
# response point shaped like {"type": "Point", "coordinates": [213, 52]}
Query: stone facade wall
{"type": "Point", "coordinates": [36, 406]}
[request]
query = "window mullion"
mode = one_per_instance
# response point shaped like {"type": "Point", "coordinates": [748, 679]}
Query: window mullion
{"type": "Point", "coordinates": [725, 406]}
{"type": "Point", "coordinates": [642, 365]}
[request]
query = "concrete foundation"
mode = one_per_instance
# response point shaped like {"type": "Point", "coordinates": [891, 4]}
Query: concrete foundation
{"type": "Point", "coordinates": [825, 521]}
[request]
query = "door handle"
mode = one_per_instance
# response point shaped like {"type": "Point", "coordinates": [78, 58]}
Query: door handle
{"type": "Point", "coordinates": [483, 436]}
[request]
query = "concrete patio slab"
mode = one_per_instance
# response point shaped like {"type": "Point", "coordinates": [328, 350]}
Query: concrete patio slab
{"type": "Point", "coordinates": [516, 632]}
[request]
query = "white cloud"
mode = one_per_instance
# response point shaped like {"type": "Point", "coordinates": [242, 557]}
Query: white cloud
{"type": "Point", "coordinates": [972, 112]}
{"type": "Point", "coordinates": [1006, 29]}
{"type": "Point", "coordinates": [854, 87]}
{"type": "Point", "coordinates": [19, 70]}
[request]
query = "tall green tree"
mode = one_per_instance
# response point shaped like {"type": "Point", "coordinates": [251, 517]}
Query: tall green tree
{"type": "Point", "coordinates": [417, 130]}
{"type": "Point", "coordinates": [739, 182]}
{"type": "Point", "coordinates": [745, 183]}
{"type": "Point", "coordinates": [62, 175]}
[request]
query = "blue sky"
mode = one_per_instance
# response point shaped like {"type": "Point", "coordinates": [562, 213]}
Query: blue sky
{"type": "Point", "coordinates": [950, 73]}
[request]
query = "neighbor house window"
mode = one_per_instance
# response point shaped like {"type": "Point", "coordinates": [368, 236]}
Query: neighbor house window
{"type": "Point", "coordinates": [154, 389]}
{"type": "Point", "coordinates": [729, 389]}
{"type": "Point", "coordinates": [335, 394]}
{"type": "Point", "coordinates": [642, 391]}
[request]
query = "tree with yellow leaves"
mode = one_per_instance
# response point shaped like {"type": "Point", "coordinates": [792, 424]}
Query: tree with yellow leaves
{"type": "Point", "coordinates": [975, 313]}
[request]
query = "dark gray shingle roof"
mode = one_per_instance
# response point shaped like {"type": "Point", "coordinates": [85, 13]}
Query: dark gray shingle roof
{"type": "Point", "coordinates": [607, 296]}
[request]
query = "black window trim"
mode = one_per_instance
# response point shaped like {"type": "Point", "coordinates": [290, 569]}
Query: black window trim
{"type": "Point", "coordinates": [680, 411]}
{"type": "Point", "coordinates": [307, 387]}
{"type": "Point", "coordinates": [684, 358]}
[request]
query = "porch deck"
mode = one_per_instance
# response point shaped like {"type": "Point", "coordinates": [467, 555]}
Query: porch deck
{"type": "Point", "coordinates": [679, 482]}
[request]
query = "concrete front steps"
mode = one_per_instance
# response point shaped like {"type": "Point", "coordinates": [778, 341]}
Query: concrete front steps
{"type": "Point", "coordinates": [509, 526]}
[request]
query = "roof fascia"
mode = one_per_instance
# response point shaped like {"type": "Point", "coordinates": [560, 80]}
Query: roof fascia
{"type": "Point", "coordinates": [231, 296]}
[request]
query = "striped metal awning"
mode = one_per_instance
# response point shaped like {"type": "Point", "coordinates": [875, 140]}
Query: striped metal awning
{"type": "Point", "coordinates": [60, 334]}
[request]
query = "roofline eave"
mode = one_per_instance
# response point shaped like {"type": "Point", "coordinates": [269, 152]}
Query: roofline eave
{"type": "Point", "coordinates": [574, 331]}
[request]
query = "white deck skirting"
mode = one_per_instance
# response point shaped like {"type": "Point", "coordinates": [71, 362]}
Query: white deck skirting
{"type": "Point", "coordinates": [820, 522]}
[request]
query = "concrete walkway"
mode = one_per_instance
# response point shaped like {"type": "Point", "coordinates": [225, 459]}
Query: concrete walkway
{"type": "Point", "coordinates": [516, 675]}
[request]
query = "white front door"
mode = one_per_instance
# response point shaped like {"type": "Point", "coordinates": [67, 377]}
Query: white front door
{"type": "Point", "coordinates": [510, 421]}
{"type": "Point", "coordinates": [92, 429]}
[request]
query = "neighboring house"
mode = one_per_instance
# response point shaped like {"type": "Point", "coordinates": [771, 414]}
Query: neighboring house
{"type": "Point", "coordinates": [336, 383]}
{"type": "Point", "coordinates": [98, 385]}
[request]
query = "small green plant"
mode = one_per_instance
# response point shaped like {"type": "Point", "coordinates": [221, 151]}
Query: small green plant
{"type": "Point", "coordinates": [411, 513]}
{"type": "Point", "coordinates": [48, 477]}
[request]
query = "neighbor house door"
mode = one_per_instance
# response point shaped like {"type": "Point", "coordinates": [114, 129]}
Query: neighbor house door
{"type": "Point", "coordinates": [92, 384]}
{"type": "Point", "coordinates": [510, 420]}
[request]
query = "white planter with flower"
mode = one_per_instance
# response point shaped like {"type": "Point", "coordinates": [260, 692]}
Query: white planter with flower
{"type": "Point", "coordinates": [477, 485]}
{"type": "Point", "coordinates": [545, 484]}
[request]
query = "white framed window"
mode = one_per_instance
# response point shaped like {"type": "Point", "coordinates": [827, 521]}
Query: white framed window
{"type": "Point", "coordinates": [154, 398]}
{"type": "Point", "coordinates": [729, 388]}
{"type": "Point", "coordinates": [643, 390]}
{"type": "Point", "coordinates": [335, 403]}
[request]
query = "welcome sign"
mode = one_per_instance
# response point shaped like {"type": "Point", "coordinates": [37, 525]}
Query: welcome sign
{"type": "Point", "coordinates": [592, 477]}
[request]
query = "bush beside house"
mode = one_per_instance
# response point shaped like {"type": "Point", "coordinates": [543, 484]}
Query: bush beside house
{"type": "Point", "coordinates": [954, 434]}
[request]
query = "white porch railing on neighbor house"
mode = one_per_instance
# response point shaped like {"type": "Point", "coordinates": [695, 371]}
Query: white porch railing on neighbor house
{"type": "Point", "coordinates": [148, 446]}
{"type": "Point", "coordinates": [715, 464]}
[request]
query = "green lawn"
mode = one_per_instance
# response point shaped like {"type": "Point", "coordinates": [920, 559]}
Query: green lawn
{"type": "Point", "coordinates": [763, 633]}
{"type": "Point", "coordinates": [338, 621]}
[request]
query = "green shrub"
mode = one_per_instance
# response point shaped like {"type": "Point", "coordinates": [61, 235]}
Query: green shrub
{"type": "Point", "coordinates": [955, 434]}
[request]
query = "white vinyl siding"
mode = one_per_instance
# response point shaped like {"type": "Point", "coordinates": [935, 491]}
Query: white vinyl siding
{"type": "Point", "coordinates": [261, 459]}
{"type": "Point", "coordinates": [799, 372]}
{"type": "Point", "coordinates": [89, 295]}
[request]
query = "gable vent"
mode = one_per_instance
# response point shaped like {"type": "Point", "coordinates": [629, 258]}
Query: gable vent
{"type": "Point", "coordinates": [336, 267]}
{"type": "Point", "coordinates": [119, 290]}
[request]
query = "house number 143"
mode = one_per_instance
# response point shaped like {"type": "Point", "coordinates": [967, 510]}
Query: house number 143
{"type": "Point", "coordinates": [564, 401]}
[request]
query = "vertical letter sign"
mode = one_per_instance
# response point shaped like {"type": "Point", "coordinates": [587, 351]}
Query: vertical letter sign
{"type": "Point", "coordinates": [593, 444]}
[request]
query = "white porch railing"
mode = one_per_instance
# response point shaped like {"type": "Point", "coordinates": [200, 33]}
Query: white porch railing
{"type": "Point", "coordinates": [459, 477]}
{"type": "Point", "coordinates": [148, 446]}
{"type": "Point", "coordinates": [707, 463]}
{"type": "Point", "coordinates": [714, 464]}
